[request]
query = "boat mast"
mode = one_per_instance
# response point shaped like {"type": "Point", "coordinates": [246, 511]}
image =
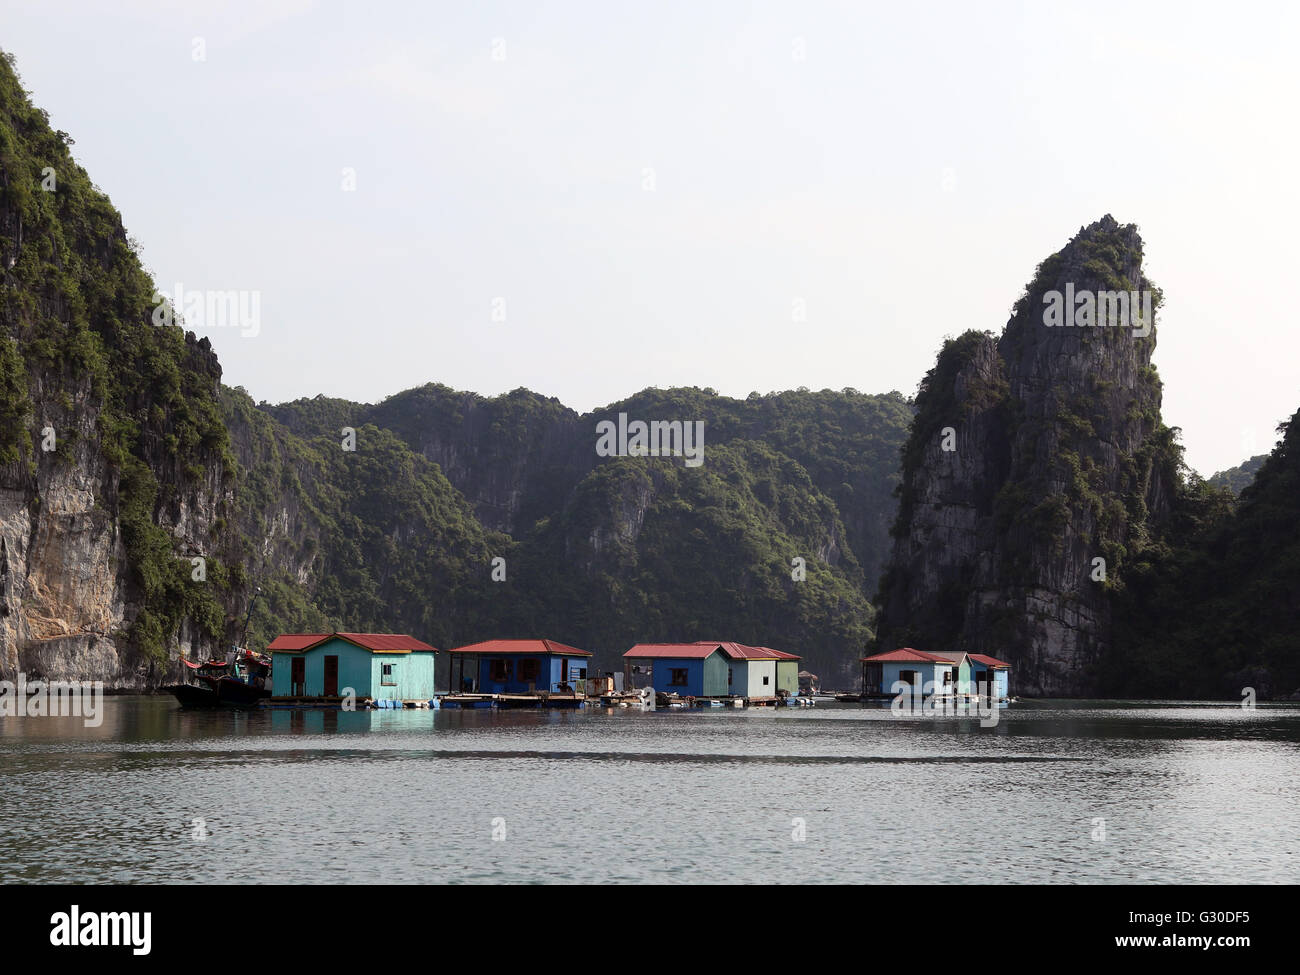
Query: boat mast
{"type": "Point", "coordinates": [243, 639]}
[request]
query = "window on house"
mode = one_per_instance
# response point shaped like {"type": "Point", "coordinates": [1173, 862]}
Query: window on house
{"type": "Point", "coordinates": [581, 673]}
{"type": "Point", "coordinates": [677, 676]}
{"type": "Point", "coordinates": [388, 675]}
{"type": "Point", "coordinates": [529, 670]}
{"type": "Point", "coordinates": [499, 669]}
{"type": "Point", "coordinates": [947, 677]}
{"type": "Point", "coordinates": [765, 681]}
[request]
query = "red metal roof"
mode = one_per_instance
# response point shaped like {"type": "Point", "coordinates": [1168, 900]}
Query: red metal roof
{"type": "Point", "coordinates": [374, 642]}
{"type": "Point", "coordinates": [906, 654]}
{"type": "Point", "coordinates": [297, 641]}
{"type": "Point", "coordinates": [739, 651]}
{"type": "Point", "coordinates": [685, 651]}
{"type": "Point", "coordinates": [778, 654]}
{"type": "Point", "coordinates": [503, 647]}
{"type": "Point", "coordinates": [702, 648]}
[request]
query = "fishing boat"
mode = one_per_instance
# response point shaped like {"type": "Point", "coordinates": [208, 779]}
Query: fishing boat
{"type": "Point", "coordinates": [240, 681]}
{"type": "Point", "coordinates": [193, 695]}
{"type": "Point", "coordinates": [201, 692]}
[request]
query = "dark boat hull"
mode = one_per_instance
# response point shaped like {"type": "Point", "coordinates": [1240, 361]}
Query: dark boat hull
{"type": "Point", "coordinates": [233, 693]}
{"type": "Point", "coordinates": [194, 695]}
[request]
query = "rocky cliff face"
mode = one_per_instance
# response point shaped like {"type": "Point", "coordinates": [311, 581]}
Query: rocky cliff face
{"type": "Point", "coordinates": [70, 585]}
{"type": "Point", "coordinates": [113, 462]}
{"type": "Point", "coordinates": [1038, 465]}
{"type": "Point", "coordinates": [123, 460]}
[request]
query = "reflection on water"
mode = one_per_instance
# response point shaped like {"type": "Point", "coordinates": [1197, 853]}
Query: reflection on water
{"type": "Point", "coordinates": [1074, 791]}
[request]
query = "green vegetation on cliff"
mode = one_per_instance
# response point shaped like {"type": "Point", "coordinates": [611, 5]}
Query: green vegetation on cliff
{"type": "Point", "coordinates": [1237, 479]}
{"type": "Point", "coordinates": [607, 552]}
{"type": "Point", "coordinates": [75, 325]}
{"type": "Point", "coordinates": [1215, 609]}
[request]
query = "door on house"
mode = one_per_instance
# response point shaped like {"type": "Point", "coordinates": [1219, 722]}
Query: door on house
{"type": "Point", "coordinates": [564, 670]}
{"type": "Point", "coordinates": [981, 683]}
{"type": "Point", "coordinates": [297, 677]}
{"type": "Point", "coordinates": [331, 677]}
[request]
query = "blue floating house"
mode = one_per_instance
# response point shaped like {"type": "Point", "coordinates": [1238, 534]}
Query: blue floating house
{"type": "Point", "coordinates": [518, 667]}
{"type": "Point", "coordinates": [716, 669]}
{"type": "Point", "coordinates": [377, 666]}
{"type": "Point", "coordinates": [951, 671]}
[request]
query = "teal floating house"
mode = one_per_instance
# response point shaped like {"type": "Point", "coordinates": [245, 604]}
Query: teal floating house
{"type": "Point", "coordinates": [375, 666]}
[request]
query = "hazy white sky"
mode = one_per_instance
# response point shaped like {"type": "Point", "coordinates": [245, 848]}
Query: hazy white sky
{"type": "Point", "coordinates": [650, 188]}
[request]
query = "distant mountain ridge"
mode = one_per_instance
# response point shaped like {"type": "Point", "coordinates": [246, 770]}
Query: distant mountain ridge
{"type": "Point", "coordinates": [1237, 479]}
{"type": "Point", "coordinates": [144, 506]}
{"type": "Point", "coordinates": [669, 550]}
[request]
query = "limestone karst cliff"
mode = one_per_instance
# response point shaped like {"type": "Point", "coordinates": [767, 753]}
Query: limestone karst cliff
{"type": "Point", "coordinates": [124, 462]}
{"type": "Point", "coordinates": [113, 460]}
{"type": "Point", "coordinates": [1037, 465]}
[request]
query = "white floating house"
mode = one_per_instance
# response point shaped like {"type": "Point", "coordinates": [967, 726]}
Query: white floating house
{"type": "Point", "coordinates": [952, 671]}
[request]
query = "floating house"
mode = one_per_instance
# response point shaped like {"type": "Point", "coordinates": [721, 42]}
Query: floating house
{"type": "Point", "coordinates": [375, 666]}
{"type": "Point", "coordinates": [952, 671]}
{"type": "Point", "coordinates": [518, 667]}
{"type": "Point", "coordinates": [709, 668]}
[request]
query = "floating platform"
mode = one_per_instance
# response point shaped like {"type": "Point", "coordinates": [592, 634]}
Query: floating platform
{"type": "Point", "coordinates": [620, 699]}
{"type": "Point", "coordinates": [513, 701]}
{"type": "Point", "coordinates": [468, 700]}
{"type": "Point", "coordinates": [336, 704]}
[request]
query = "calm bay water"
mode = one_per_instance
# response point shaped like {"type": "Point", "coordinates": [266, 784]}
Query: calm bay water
{"type": "Point", "coordinates": [1189, 793]}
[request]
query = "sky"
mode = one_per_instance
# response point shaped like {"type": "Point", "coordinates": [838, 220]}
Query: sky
{"type": "Point", "coordinates": [589, 198]}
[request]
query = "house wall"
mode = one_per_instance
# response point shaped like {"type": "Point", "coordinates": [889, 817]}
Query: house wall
{"type": "Point", "coordinates": [694, 668]}
{"type": "Point", "coordinates": [737, 677]}
{"type": "Point", "coordinates": [716, 675]}
{"type": "Point", "coordinates": [963, 677]}
{"type": "Point", "coordinates": [354, 669]}
{"type": "Point", "coordinates": [928, 672]}
{"type": "Point", "coordinates": [513, 683]}
{"type": "Point", "coordinates": [999, 678]}
{"type": "Point", "coordinates": [787, 676]}
{"type": "Point", "coordinates": [577, 671]}
{"type": "Point", "coordinates": [760, 670]}
{"type": "Point", "coordinates": [412, 672]}
{"type": "Point", "coordinates": [549, 669]}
